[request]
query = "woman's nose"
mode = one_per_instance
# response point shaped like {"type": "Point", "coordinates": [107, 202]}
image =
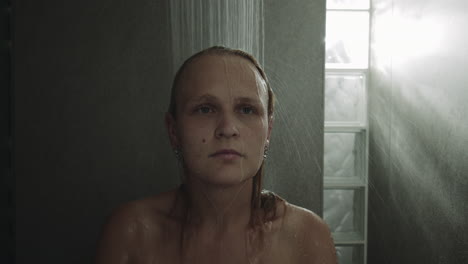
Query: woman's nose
{"type": "Point", "coordinates": [227, 127]}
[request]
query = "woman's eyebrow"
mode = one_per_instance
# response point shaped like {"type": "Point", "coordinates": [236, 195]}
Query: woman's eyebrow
{"type": "Point", "coordinates": [204, 97]}
{"type": "Point", "coordinates": [214, 99]}
{"type": "Point", "coordinates": [247, 100]}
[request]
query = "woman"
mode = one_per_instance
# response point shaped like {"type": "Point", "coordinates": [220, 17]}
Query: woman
{"type": "Point", "coordinates": [219, 124]}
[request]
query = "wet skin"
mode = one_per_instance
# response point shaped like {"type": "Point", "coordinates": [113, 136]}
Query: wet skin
{"type": "Point", "coordinates": [222, 105]}
{"type": "Point", "coordinates": [148, 231]}
{"type": "Point", "coordinates": [221, 127]}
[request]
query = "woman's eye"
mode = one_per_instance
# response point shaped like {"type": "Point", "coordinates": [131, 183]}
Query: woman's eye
{"type": "Point", "coordinates": [247, 110]}
{"type": "Point", "coordinates": [204, 109]}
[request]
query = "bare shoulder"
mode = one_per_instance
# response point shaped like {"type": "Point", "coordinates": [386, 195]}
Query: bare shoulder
{"type": "Point", "coordinates": [298, 217]}
{"type": "Point", "coordinates": [143, 213]}
{"type": "Point", "coordinates": [134, 224]}
{"type": "Point", "coordinates": [309, 235]}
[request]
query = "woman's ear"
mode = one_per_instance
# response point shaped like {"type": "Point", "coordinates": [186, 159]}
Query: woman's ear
{"type": "Point", "coordinates": [171, 130]}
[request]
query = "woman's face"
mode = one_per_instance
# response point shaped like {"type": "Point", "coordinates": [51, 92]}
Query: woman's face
{"type": "Point", "coordinates": [222, 124]}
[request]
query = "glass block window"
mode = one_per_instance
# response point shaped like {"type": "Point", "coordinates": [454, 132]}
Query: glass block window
{"type": "Point", "coordinates": [348, 4]}
{"type": "Point", "coordinates": [344, 212]}
{"type": "Point", "coordinates": [349, 254]}
{"type": "Point", "coordinates": [347, 39]}
{"type": "Point", "coordinates": [346, 130]}
{"type": "Point", "coordinates": [345, 98]}
{"type": "Point", "coordinates": [343, 155]}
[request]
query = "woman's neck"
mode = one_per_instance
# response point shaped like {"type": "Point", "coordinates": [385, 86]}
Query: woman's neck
{"type": "Point", "coordinates": [219, 208]}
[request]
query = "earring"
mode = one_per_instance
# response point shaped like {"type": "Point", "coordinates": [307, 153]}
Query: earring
{"type": "Point", "coordinates": [265, 152]}
{"type": "Point", "coordinates": [178, 154]}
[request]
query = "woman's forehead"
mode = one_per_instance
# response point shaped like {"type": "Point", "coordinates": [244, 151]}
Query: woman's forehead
{"type": "Point", "coordinates": [222, 73]}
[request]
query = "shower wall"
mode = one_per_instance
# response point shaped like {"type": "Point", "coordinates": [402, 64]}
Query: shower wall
{"type": "Point", "coordinates": [6, 179]}
{"type": "Point", "coordinates": [418, 113]}
{"type": "Point", "coordinates": [92, 85]}
{"type": "Point", "coordinates": [294, 62]}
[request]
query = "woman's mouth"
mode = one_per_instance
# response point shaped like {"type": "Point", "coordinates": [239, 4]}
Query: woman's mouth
{"type": "Point", "coordinates": [226, 154]}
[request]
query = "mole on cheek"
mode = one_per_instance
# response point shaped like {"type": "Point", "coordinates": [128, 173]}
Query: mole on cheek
{"type": "Point", "coordinates": [203, 140]}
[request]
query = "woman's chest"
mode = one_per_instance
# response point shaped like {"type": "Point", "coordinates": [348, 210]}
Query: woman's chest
{"type": "Point", "coordinates": [227, 250]}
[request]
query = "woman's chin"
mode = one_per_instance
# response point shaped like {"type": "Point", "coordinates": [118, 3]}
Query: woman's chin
{"type": "Point", "coordinates": [225, 178]}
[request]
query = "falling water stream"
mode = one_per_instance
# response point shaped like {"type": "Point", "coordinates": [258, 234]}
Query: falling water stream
{"type": "Point", "coordinates": [199, 24]}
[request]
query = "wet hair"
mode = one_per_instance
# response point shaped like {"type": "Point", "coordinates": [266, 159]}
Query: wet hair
{"type": "Point", "coordinates": [264, 200]}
